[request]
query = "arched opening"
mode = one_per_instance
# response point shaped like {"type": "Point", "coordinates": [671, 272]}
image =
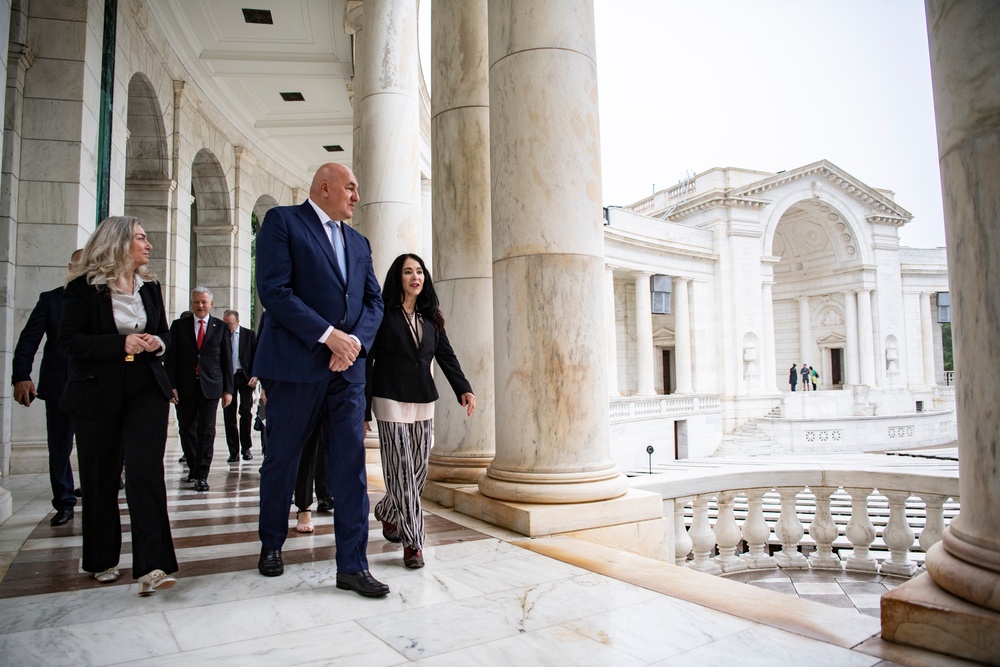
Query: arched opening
{"type": "Point", "coordinates": [147, 174]}
{"type": "Point", "coordinates": [263, 204]}
{"type": "Point", "coordinates": [213, 233]}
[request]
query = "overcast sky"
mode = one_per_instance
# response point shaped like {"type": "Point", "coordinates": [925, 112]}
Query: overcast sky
{"type": "Point", "coordinates": [770, 85]}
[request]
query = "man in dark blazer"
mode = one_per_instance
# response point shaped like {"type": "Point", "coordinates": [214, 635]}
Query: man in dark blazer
{"type": "Point", "coordinates": [44, 321]}
{"type": "Point", "coordinates": [243, 343]}
{"type": "Point", "coordinates": [324, 306]}
{"type": "Point", "coordinates": [199, 364]}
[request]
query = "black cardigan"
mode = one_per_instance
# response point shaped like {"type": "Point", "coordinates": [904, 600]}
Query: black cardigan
{"type": "Point", "coordinates": [396, 369]}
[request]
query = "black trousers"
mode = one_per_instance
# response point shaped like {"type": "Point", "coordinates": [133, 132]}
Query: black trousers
{"type": "Point", "coordinates": [238, 435]}
{"type": "Point", "coordinates": [139, 430]}
{"type": "Point", "coordinates": [312, 469]}
{"type": "Point", "coordinates": [196, 423]}
{"type": "Point", "coordinates": [59, 431]}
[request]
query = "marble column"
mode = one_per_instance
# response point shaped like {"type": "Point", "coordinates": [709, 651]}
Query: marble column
{"type": "Point", "coordinates": [611, 331]}
{"type": "Point", "coordinates": [552, 442]}
{"type": "Point", "coordinates": [767, 362]}
{"type": "Point", "coordinates": [965, 69]}
{"type": "Point", "coordinates": [806, 343]}
{"type": "Point", "coordinates": [644, 335]}
{"type": "Point", "coordinates": [927, 337]}
{"type": "Point", "coordinates": [851, 334]}
{"type": "Point", "coordinates": [956, 609]}
{"type": "Point", "coordinates": [682, 335]}
{"type": "Point", "coordinates": [460, 131]}
{"type": "Point", "coordinates": [18, 59]}
{"type": "Point", "coordinates": [866, 336]}
{"type": "Point", "coordinates": [388, 170]}
{"type": "Point", "coordinates": [353, 25]}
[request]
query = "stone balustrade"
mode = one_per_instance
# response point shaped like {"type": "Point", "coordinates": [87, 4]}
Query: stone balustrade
{"type": "Point", "coordinates": [738, 517]}
{"type": "Point", "coordinates": [647, 407]}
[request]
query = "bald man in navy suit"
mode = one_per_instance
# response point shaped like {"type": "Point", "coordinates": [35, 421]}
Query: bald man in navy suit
{"type": "Point", "coordinates": [324, 306]}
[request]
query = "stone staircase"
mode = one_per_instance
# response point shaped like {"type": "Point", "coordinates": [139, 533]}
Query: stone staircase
{"type": "Point", "coordinates": [749, 440]}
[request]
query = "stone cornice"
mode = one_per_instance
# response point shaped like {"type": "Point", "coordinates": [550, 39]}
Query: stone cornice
{"type": "Point", "coordinates": [883, 206]}
{"type": "Point", "coordinates": [885, 210]}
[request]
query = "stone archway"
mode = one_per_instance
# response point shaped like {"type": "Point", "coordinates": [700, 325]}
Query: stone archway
{"type": "Point", "coordinates": [147, 174]}
{"type": "Point", "coordinates": [263, 204]}
{"type": "Point", "coordinates": [213, 234]}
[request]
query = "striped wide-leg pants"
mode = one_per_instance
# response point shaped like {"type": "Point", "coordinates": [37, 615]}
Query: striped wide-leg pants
{"type": "Point", "coordinates": [405, 449]}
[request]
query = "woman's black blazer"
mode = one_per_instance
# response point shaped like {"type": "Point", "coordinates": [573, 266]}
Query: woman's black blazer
{"type": "Point", "coordinates": [397, 369]}
{"type": "Point", "coordinates": [96, 350]}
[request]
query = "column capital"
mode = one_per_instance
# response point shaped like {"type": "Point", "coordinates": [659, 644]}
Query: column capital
{"type": "Point", "coordinates": [353, 15]}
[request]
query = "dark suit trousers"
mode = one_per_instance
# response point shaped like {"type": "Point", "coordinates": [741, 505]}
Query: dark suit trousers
{"type": "Point", "coordinates": [59, 429]}
{"type": "Point", "coordinates": [196, 423]}
{"type": "Point", "coordinates": [293, 409]}
{"type": "Point", "coordinates": [238, 437]}
{"type": "Point", "coordinates": [140, 430]}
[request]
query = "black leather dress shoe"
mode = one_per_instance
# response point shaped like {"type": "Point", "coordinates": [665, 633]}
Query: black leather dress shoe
{"type": "Point", "coordinates": [270, 563]}
{"type": "Point", "coordinates": [362, 583]}
{"type": "Point", "coordinates": [232, 459]}
{"type": "Point", "coordinates": [182, 459]}
{"type": "Point", "coordinates": [63, 516]}
{"type": "Point", "coordinates": [324, 505]}
{"type": "Point", "coordinates": [247, 455]}
{"type": "Point", "coordinates": [201, 485]}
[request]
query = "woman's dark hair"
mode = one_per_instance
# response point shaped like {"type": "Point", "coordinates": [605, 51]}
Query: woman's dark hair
{"type": "Point", "coordinates": [427, 301]}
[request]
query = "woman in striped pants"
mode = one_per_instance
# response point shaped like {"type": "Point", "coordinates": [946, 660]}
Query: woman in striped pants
{"type": "Point", "coordinates": [401, 394]}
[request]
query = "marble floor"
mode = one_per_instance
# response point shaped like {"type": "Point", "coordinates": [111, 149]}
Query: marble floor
{"type": "Point", "coordinates": [485, 597]}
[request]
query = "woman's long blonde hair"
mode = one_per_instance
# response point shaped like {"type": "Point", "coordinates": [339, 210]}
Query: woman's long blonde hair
{"type": "Point", "coordinates": [107, 254]}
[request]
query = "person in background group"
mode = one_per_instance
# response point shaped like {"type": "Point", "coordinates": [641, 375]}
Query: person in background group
{"type": "Point", "coordinates": [793, 377]}
{"type": "Point", "coordinates": [114, 329]}
{"type": "Point", "coordinates": [813, 376]}
{"type": "Point", "coordinates": [200, 367]}
{"type": "Point", "coordinates": [44, 321]}
{"type": "Point", "coordinates": [805, 377]}
{"type": "Point", "coordinates": [401, 394]}
{"type": "Point", "coordinates": [324, 306]}
{"type": "Point", "coordinates": [243, 343]}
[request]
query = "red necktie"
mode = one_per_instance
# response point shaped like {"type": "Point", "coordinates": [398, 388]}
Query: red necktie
{"type": "Point", "coordinates": [201, 333]}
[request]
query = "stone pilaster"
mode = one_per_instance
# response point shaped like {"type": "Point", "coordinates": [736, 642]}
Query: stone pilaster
{"type": "Point", "coordinates": [956, 609]}
{"type": "Point", "coordinates": [353, 25]}
{"type": "Point", "coordinates": [927, 337]}
{"type": "Point", "coordinates": [548, 256]}
{"type": "Point", "coordinates": [682, 335]}
{"type": "Point", "coordinates": [853, 363]}
{"type": "Point", "coordinates": [388, 163]}
{"type": "Point", "coordinates": [767, 362]}
{"type": "Point", "coordinates": [644, 335]}
{"type": "Point", "coordinates": [460, 131]}
{"type": "Point", "coordinates": [866, 335]}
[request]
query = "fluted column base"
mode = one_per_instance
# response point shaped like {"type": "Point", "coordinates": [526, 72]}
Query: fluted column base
{"type": "Point", "coordinates": [457, 469]}
{"type": "Point", "coordinates": [920, 613]}
{"type": "Point", "coordinates": [963, 569]}
{"type": "Point", "coordinates": [553, 488]}
{"type": "Point", "coordinates": [535, 520]}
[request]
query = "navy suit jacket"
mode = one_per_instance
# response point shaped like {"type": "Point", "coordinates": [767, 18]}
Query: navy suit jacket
{"type": "Point", "coordinates": [96, 350]}
{"type": "Point", "coordinates": [214, 360]}
{"type": "Point", "coordinates": [43, 321]}
{"type": "Point", "coordinates": [304, 293]}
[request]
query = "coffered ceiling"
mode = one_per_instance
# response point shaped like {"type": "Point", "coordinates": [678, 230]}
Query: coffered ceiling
{"type": "Point", "coordinates": [244, 68]}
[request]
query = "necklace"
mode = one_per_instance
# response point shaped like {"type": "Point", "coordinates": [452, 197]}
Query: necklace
{"type": "Point", "coordinates": [411, 321]}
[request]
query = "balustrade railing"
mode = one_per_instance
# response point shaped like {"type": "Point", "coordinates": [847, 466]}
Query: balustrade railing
{"type": "Point", "coordinates": [650, 407]}
{"type": "Point", "coordinates": [864, 521]}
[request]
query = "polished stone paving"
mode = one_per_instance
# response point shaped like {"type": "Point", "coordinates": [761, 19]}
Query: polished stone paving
{"type": "Point", "coordinates": [486, 597]}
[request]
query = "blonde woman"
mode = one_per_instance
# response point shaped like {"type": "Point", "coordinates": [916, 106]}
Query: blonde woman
{"type": "Point", "coordinates": [115, 331]}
